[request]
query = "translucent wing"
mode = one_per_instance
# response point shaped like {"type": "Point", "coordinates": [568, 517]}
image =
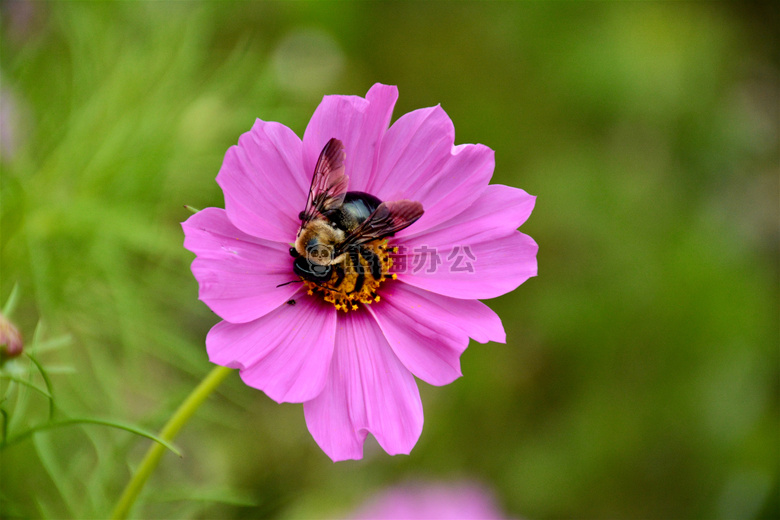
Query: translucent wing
{"type": "Point", "coordinates": [386, 220]}
{"type": "Point", "coordinates": [328, 185]}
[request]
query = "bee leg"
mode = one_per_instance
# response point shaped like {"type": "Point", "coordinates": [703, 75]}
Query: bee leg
{"type": "Point", "coordinates": [361, 277]}
{"type": "Point", "coordinates": [339, 275]}
{"type": "Point", "coordinates": [373, 261]}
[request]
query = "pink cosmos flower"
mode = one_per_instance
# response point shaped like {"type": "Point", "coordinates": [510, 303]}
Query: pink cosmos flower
{"type": "Point", "coordinates": [348, 350]}
{"type": "Point", "coordinates": [431, 501]}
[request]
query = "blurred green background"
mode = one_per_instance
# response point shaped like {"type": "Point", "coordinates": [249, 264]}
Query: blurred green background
{"type": "Point", "coordinates": [640, 378]}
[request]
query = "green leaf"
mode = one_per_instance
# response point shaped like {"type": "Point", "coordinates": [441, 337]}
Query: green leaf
{"type": "Point", "coordinates": [51, 462]}
{"type": "Point", "coordinates": [4, 430]}
{"type": "Point", "coordinates": [46, 380]}
{"type": "Point", "coordinates": [13, 299]}
{"type": "Point", "coordinates": [221, 496]}
{"type": "Point", "coordinates": [52, 344]}
{"type": "Point", "coordinates": [87, 420]}
{"type": "Point", "coordinates": [28, 384]}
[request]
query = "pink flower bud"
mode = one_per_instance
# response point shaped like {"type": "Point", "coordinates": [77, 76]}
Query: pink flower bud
{"type": "Point", "coordinates": [11, 343]}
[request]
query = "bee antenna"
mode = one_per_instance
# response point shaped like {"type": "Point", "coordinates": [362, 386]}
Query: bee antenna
{"type": "Point", "coordinates": [288, 283]}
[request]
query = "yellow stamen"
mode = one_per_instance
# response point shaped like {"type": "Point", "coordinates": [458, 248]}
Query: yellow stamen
{"type": "Point", "coordinates": [344, 296]}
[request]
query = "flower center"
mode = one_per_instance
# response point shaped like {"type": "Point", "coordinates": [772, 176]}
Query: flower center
{"type": "Point", "coordinates": [350, 285]}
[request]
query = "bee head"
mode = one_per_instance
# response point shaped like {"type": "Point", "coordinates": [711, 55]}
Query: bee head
{"type": "Point", "coordinates": [313, 252]}
{"type": "Point", "coordinates": [314, 265]}
{"type": "Point", "coordinates": [317, 242]}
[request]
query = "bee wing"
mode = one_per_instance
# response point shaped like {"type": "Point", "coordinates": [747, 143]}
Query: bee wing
{"type": "Point", "coordinates": [329, 184]}
{"type": "Point", "coordinates": [389, 218]}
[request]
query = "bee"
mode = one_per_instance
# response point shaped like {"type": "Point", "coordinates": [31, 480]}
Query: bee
{"type": "Point", "coordinates": [337, 225]}
{"type": "Point", "coordinates": [290, 302]}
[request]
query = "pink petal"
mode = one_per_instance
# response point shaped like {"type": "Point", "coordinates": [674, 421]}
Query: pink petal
{"type": "Point", "coordinates": [265, 187]}
{"type": "Point", "coordinates": [419, 161]}
{"type": "Point", "coordinates": [368, 391]}
{"type": "Point", "coordinates": [428, 332]}
{"type": "Point", "coordinates": [238, 274]}
{"type": "Point", "coordinates": [478, 254]}
{"type": "Point", "coordinates": [415, 159]}
{"type": "Point", "coordinates": [454, 187]}
{"type": "Point", "coordinates": [359, 123]}
{"type": "Point", "coordinates": [496, 210]}
{"type": "Point", "coordinates": [500, 266]}
{"type": "Point", "coordinates": [286, 353]}
{"type": "Point", "coordinates": [413, 150]}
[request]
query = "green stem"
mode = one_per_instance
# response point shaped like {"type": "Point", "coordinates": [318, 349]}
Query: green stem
{"type": "Point", "coordinates": [177, 420]}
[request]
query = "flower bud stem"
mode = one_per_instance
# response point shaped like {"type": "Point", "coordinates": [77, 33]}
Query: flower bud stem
{"type": "Point", "coordinates": [169, 431]}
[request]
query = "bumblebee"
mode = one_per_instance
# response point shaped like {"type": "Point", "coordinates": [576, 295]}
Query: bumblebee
{"type": "Point", "coordinates": [342, 238]}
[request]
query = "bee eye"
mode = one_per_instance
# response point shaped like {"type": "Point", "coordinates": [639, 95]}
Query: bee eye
{"type": "Point", "coordinates": [294, 252]}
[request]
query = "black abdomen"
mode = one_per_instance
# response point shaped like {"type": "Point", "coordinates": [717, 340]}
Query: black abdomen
{"type": "Point", "coordinates": [356, 208]}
